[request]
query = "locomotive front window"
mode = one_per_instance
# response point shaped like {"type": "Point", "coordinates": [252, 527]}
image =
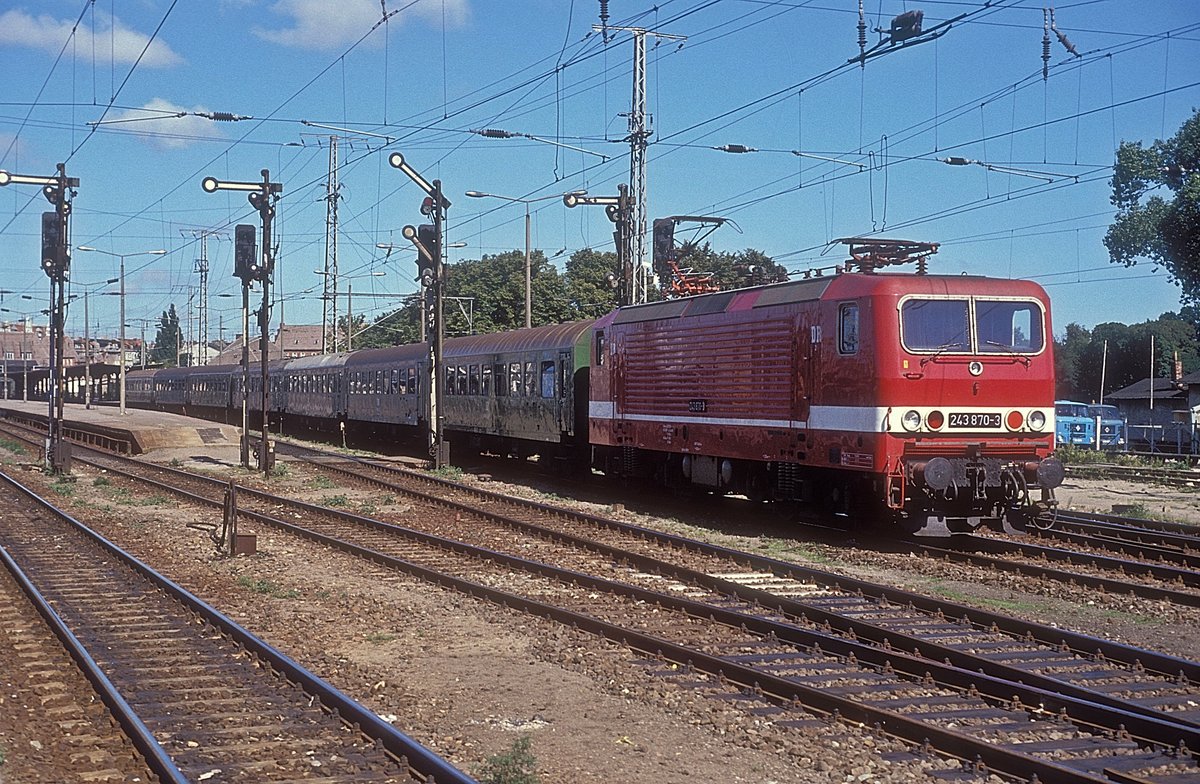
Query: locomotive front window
{"type": "Point", "coordinates": [936, 324]}
{"type": "Point", "coordinates": [1006, 326]}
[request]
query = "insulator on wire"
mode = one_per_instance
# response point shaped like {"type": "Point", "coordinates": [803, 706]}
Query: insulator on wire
{"type": "Point", "coordinates": [1045, 44]}
{"type": "Point", "coordinates": [1062, 38]}
{"type": "Point", "coordinates": [604, 18]}
{"type": "Point", "coordinates": [862, 36]}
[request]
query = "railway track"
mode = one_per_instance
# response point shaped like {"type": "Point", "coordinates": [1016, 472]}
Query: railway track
{"type": "Point", "coordinates": [1159, 475]}
{"type": "Point", "coordinates": [780, 643]}
{"type": "Point", "coordinates": [197, 695]}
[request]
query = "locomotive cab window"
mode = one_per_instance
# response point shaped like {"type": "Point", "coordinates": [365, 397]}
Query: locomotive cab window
{"type": "Point", "coordinates": [848, 328]}
{"type": "Point", "coordinates": [1008, 326]}
{"type": "Point", "coordinates": [936, 324]}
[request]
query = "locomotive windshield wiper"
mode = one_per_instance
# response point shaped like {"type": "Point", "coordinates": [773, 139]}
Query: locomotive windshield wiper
{"type": "Point", "coordinates": [1011, 350]}
{"type": "Point", "coordinates": [941, 350]}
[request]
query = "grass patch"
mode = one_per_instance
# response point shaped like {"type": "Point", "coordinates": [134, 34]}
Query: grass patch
{"type": "Point", "coordinates": [335, 500]}
{"type": "Point", "coordinates": [268, 588]}
{"type": "Point", "coordinates": [125, 497]}
{"type": "Point", "coordinates": [1143, 512]}
{"type": "Point", "coordinates": [63, 486]}
{"type": "Point", "coordinates": [1008, 605]}
{"type": "Point", "coordinates": [12, 446]}
{"type": "Point", "coordinates": [515, 766]}
{"type": "Point", "coordinates": [278, 470]}
{"type": "Point", "coordinates": [176, 463]}
{"type": "Point", "coordinates": [1078, 456]}
{"type": "Point", "coordinates": [322, 482]}
{"type": "Point", "coordinates": [101, 481]}
{"type": "Point", "coordinates": [450, 473]}
{"type": "Point", "coordinates": [379, 637]}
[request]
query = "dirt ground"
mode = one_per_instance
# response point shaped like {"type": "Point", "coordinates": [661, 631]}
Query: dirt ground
{"type": "Point", "coordinates": [467, 678]}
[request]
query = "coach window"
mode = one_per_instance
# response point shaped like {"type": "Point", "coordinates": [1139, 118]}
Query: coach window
{"type": "Point", "coordinates": [473, 380]}
{"type": "Point", "coordinates": [530, 380]}
{"type": "Point", "coordinates": [500, 379]}
{"type": "Point", "coordinates": [599, 347]}
{"type": "Point", "coordinates": [412, 381]}
{"type": "Point", "coordinates": [848, 328]}
{"type": "Point", "coordinates": [548, 379]}
{"type": "Point", "coordinates": [516, 381]}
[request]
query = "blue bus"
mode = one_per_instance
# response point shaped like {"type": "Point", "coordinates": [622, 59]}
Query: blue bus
{"type": "Point", "coordinates": [1073, 426]}
{"type": "Point", "coordinates": [1114, 431]}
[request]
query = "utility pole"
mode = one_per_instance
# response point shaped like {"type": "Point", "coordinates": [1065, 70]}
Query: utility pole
{"type": "Point", "coordinates": [638, 138]}
{"type": "Point", "coordinates": [56, 263]}
{"type": "Point", "coordinates": [329, 296]}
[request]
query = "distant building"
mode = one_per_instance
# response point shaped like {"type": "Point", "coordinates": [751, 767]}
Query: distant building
{"type": "Point", "coordinates": [291, 341]}
{"type": "Point", "coordinates": [1162, 413]}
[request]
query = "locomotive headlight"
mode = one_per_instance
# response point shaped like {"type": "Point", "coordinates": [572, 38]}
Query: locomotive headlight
{"type": "Point", "coordinates": [911, 420]}
{"type": "Point", "coordinates": [1037, 420]}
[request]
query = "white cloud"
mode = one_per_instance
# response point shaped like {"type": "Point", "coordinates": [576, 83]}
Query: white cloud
{"type": "Point", "coordinates": [114, 42]}
{"type": "Point", "coordinates": [321, 24]}
{"type": "Point", "coordinates": [158, 122]}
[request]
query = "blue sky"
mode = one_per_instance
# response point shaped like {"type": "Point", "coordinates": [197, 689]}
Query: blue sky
{"type": "Point", "coordinates": [115, 88]}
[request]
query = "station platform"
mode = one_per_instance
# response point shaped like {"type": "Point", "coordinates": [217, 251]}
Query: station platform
{"type": "Point", "coordinates": [137, 432]}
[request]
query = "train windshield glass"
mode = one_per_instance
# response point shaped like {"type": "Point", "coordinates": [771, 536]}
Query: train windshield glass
{"type": "Point", "coordinates": [936, 324]}
{"type": "Point", "coordinates": [990, 327]}
{"type": "Point", "coordinates": [1006, 326]}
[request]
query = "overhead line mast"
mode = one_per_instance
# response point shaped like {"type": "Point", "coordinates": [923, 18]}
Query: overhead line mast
{"type": "Point", "coordinates": [639, 139]}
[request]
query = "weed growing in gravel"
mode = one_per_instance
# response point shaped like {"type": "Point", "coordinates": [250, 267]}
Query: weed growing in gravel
{"type": "Point", "coordinates": [379, 637]}
{"type": "Point", "coordinates": [452, 473]}
{"type": "Point", "coordinates": [268, 588]}
{"type": "Point", "coordinates": [101, 481]}
{"type": "Point", "coordinates": [1073, 455]}
{"type": "Point", "coordinates": [279, 470]}
{"type": "Point", "coordinates": [515, 766]}
{"type": "Point", "coordinates": [3, 754]}
{"type": "Point", "coordinates": [176, 462]}
{"type": "Point", "coordinates": [322, 482]}
{"type": "Point", "coordinates": [367, 508]}
{"type": "Point", "coordinates": [335, 500]}
{"type": "Point", "coordinates": [12, 446]}
{"type": "Point", "coordinates": [63, 486]}
{"type": "Point", "coordinates": [1144, 512]}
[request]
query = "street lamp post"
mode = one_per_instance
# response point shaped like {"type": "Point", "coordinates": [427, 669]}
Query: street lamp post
{"type": "Point", "coordinates": [528, 266]}
{"type": "Point", "coordinates": [121, 339]}
{"type": "Point", "coordinates": [87, 343]}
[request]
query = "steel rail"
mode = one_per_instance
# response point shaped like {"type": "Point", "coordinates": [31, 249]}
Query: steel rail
{"type": "Point", "coordinates": [1044, 702]}
{"type": "Point", "coordinates": [353, 714]}
{"type": "Point", "coordinates": [138, 733]}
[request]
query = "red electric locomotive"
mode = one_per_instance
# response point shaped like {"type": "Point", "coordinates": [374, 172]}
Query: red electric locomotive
{"type": "Point", "coordinates": [930, 396]}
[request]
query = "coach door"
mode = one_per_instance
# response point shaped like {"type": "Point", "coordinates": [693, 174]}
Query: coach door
{"type": "Point", "coordinates": [565, 392]}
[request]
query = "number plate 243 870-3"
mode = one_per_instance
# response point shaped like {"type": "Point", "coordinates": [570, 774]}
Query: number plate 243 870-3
{"type": "Point", "coordinates": [974, 420]}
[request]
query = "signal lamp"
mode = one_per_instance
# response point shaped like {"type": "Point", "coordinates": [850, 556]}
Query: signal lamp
{"type": "Point", "coordinates": [935, 420]}
{"type": "Point", "coordinates": [1014, 420]}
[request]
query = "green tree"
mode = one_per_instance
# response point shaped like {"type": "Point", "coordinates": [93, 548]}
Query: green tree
{"type": "Point", "coordinates": [1068, 361]}
{"type": "Point", "coordinates": [394, 328]}
{"type": "Point", "coordinates": [589, 280]}
{"type": "Point", "coordinates": [166, 343]}
{"type": "Point", "coordinates": [1153, 226]}
{"type": "Point", "coordinates": [495, 288]}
